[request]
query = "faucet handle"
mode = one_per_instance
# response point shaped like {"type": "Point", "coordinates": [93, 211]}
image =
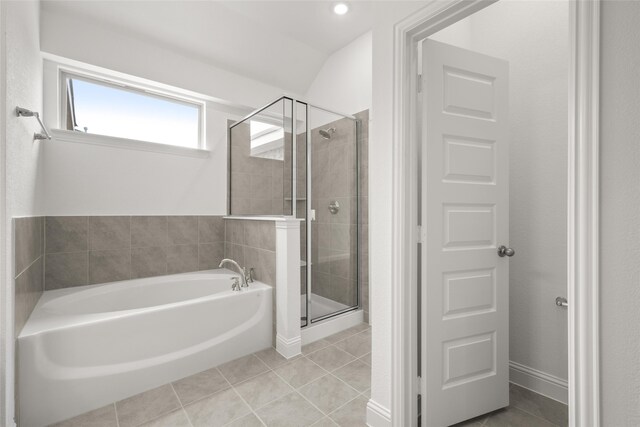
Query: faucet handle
{"type": "Point", "coordinates": [248, 274]}
{"type": "Point", "coordinates": [235, 286]}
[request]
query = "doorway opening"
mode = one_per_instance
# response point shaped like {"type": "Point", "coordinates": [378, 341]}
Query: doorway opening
{"type": "Point", "coordinates": [452, 256]}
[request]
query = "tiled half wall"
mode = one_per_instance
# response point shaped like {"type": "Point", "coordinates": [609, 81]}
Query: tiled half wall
{"type": "Point", "coordinates": [88, 250]}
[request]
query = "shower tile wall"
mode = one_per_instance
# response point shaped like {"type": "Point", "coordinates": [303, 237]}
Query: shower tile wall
{"type": "Point", "coordinates": [334, 248]}
{"type": "Point", "coordinates": [98, 249]}
{"type": "Point", "coordinates": [259, 186]}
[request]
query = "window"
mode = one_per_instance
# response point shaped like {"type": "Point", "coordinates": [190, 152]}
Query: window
{"type": "Point", "coordinates": [111, 109]}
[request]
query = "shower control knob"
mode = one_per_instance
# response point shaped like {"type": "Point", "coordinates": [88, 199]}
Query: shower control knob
{"type": "Point", "coordinates": [505, 251]}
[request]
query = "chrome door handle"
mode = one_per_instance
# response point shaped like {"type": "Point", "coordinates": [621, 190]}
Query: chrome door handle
{"type": "Point", "coordinates": [505, 251]}
{"type": "Point", "coordinates": [562, 302]}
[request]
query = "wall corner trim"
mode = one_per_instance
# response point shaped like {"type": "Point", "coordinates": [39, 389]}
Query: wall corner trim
{"type": "Point", "coordinates": [377, 415]}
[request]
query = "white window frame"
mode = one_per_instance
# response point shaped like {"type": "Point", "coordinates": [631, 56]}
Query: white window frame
{"type": "Point", "coordinates": [56, 70]}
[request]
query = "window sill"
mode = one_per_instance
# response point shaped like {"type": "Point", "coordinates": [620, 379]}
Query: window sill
{"type": "Point", "coordinates": [126, 144]}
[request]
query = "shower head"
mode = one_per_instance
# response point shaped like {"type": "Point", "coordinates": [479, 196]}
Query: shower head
{"type": "Point", "coordinates": [326, 133]}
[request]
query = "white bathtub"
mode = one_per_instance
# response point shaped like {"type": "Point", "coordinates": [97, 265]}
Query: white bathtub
{"type": "Point", "coordinates": [85, 347]}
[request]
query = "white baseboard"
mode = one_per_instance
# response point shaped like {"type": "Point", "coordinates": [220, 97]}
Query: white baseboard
{"type": "Point", "coordinates": [378, 415]}
{"type": "Point", "coordinates": [288, 348]}
{"type": "Point", "coordinates": [542, 383]}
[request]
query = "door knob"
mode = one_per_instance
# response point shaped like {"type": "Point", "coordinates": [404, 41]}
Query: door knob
{"type": "Point", "coordinates": [562, 302]}
{"type": "Point", "coordinates": [505, 251]}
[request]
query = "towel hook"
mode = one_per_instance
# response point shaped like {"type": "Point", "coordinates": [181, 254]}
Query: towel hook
{"type": "Point", "coordinates": [23, 112]}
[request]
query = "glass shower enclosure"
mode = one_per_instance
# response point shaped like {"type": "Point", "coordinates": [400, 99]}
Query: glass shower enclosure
{"type": "Point", "coordinates": [291, 158]}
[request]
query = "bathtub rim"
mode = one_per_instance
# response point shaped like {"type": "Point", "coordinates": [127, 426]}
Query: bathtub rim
{"type": "Point", "coordinates": [41, 321]}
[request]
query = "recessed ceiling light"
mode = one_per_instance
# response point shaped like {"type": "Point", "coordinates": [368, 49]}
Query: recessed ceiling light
{"type": "Point", "coordinates": [340, 9]}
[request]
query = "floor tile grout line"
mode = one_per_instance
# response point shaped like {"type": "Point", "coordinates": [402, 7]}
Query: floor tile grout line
{"type": "Point", "coordinates": [181, 405]}
{"type": "Point", "coordinates": [207, 395]}
{"type": "Point", "coordinates": [297, 390]}
{"type": "Point", "coordinates": [341, 366]}
{"type": "Point", "coordinates": [347, 384]}
{"type": "Point", "coordinates": [532, 414]}
{"type": "Point", "coordinates": [536, 416]}
{"type": "Point", "coordinates": [336, 377]}
{"type": "Point", "coordinates": [340, 407]}
{"type": "Point", "coordinates": [273, 400]}
{"type": "Point", "coordinates": [251, 411]}
{"type": "Point", "coordinates": [115, 408]}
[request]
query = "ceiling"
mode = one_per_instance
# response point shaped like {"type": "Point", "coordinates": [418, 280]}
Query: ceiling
{"type": "Point", "coordinates": [282, 43]}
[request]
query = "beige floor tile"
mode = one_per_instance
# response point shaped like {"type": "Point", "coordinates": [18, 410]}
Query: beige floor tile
{"type": "Point", "coordinates": [331, 358]}
{"type": "Point", "coordinates": [474, 422]}
{"type": "Point", "coordinates": [356, 345]}
{"type": "Point", "coordinates": [291, 410]}
{"type": "Point", "coordinates": [147, 406]}
{"type": "Point", "coordinates": [217, 410]}
{"type": "Point", "coordinates": [352, 414]}
{"type": "Point", "coordinates": [243, 368]}
{"type": "Point", "coordinates": [514, 417]}
{"type": "Point", "coordinates": [247, 421]}
{"type": "Point", "coordinates": [325, 422]}
{"type": "Point", "coordinates": [101, 417]}
{"type": "Point", "coordinates": [300, 372]}
{"type": "Point", "coordinates": [357, 374]}
{"type": "Point", "coordinates": [345, 334]}
{"type": "Point", "coordinates": [366, 359]}
{"type": "Point", "coordinates": [272, 358]}
{"type": "Point", "coordinates": [314, 346]}
{"type": "Point", "coordinates": [200, 385]}
{"type": "Point", "coordinates": [263, 389]}
{"type": "Point", "coordinates": [174, 419]}
{"type": "Point", "coordinates": [328, 393]}
{"type": "Point", "coordinates": [538, 405]}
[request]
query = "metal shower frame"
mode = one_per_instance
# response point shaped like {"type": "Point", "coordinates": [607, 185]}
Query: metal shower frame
{"type": "Point", "coordinates": [294, 192]}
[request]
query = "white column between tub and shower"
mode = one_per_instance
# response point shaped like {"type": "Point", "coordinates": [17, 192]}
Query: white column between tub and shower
{"type": "Point", "coordinates": [288, 341]}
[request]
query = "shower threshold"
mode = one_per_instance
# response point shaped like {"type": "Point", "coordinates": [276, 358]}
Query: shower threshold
{"type": "Point", "coordinates": [320, 306]}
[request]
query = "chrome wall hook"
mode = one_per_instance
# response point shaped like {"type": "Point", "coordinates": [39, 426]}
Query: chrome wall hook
{"type": "Point", "coordinates": [23, 112]}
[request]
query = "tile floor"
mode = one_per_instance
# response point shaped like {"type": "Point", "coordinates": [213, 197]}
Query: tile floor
{"type": "Point", "coordinates": [328, 385]}
{"type": "Point", "coordinates": [527, 409]}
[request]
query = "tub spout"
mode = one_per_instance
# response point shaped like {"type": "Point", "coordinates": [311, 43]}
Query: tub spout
{"type": "Point", "coordinates": [243, 277]}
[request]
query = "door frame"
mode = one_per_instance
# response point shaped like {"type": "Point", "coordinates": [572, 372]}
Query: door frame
{"type": "Point", "coordinates": [582, 203]}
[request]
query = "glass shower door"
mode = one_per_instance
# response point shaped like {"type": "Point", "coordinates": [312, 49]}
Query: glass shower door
{"type": "Point", "coordinates": [334, 214]}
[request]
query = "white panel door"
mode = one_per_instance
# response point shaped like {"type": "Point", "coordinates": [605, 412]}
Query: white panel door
{"type": "Point", "coordinates": [465, 196]}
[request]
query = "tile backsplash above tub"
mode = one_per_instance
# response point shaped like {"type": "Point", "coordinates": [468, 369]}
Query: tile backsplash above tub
{"type": "Point", "coordinates": [97, 249]}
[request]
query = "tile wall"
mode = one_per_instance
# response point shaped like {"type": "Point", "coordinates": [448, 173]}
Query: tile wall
{"type": "Point", "coordinates": [28, 268]}
{"type": "Point", "coordinates": [98, 249]}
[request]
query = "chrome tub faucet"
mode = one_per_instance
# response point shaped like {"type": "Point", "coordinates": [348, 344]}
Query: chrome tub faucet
{"type": "Point", "coordinates": [242, 271]}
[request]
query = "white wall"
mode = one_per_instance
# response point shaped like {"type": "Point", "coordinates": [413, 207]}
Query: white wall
{"type": "Point", "coordinates": [533, 37]}
{"type": "Point", "coordinates": [343, 84]}
{"type": "Point", "coordinates": [23, 157]}
{"type": "Point", "coordinates": [98, 180]}
{"type": "Point", "coordinates": [620, 214]}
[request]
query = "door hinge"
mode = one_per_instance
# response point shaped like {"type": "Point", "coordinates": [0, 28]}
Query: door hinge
{"type": "Point", "coordinates": [417, 385]}
{"type": "Point", "coordinates": [419, 234]}
{"type": "Point", "coordinates": [419, 83]}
